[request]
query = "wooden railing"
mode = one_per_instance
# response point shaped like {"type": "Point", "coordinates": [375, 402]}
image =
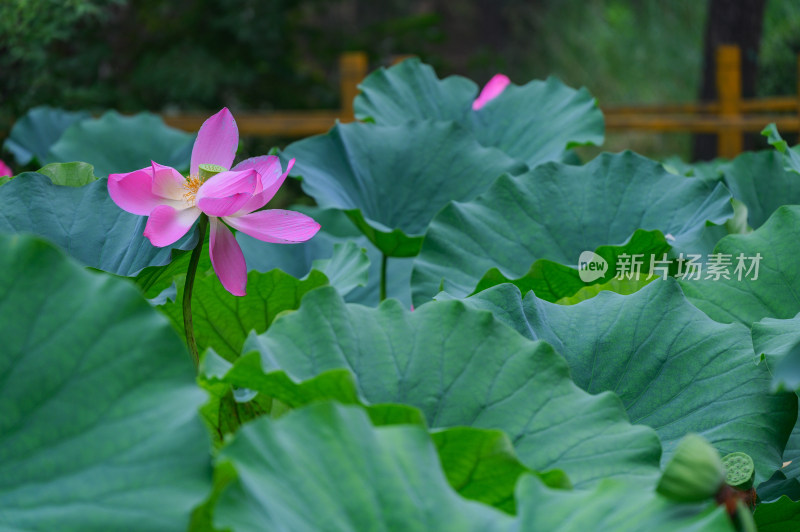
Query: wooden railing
{"type": "Point", "coordinates": [728, 118]}
{"type": "Point", "coordinates": [352, 69]}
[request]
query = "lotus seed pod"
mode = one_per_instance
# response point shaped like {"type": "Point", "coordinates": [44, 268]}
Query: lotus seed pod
{"type": "Point", "coordinates": [210, 170]}
{"type": "Point", "coordinates": [695, 473]}
{"type": "Point", "coordinates": [740, 470]}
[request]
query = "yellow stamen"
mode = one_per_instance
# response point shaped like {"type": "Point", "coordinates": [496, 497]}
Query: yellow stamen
{"type": "Point", "coordinates": [192, 185]}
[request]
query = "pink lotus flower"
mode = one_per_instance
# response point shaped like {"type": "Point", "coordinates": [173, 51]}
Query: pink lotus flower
{"type": "Point", "coordinates": [5, 170]}
{"type": "Point", "coordinates": [174, 202]}
{"type": "Point", "coordinates": [491, 90]}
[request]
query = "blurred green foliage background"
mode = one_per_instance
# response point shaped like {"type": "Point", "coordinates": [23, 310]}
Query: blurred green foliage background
{"type": "Point", "coordinates": [199, 55]}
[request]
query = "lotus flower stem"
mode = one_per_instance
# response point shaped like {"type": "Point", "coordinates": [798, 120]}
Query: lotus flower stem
{"type": "Point", "coordinates": [384, 259]}
{"type": "Point", "coordinates": [202, 226]}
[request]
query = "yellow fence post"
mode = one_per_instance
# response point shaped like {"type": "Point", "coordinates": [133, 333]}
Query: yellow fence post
{"type": "Point", "coordinates": [352, 69]}
{"type": "Point", "coordinates": [729, 91]}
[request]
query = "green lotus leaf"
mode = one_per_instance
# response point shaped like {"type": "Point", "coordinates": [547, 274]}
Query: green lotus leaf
{"type": "Point", "coordinates": [557, 211]}
{"type": "Point", "coordinates": [791, 454]}
{"type": "Point", "coordinates": [347, 268]}
{"type": "Point", "coordinates": [410, 91]}
{"type": "Point", "coordinates": [738, 224]}
{"type": "Point", "coordinates": [778, 486]}
{"type": "Point", "coordinates": [99, 428]}
{"type": "Point", "coordinates": [83, 221]}
{"type": "Point", "coordinates": [360, 477]}
{"type": "Point", "coordinates": [32, 135]}
{"type": "Point", "coordinates": [115, 143]}
{"type": "Point", "coordinates": [771, 252]}
{"type": "Point", "coordinates": [69, 174]}
{"type": "Point", "coordinates": [778, 341]}
{"type": "Point", "coordinates": [674, 369]}
{"type": "Point", "coordinates": [462, 368]}
{"type": "Point", "coordinates": [703, 170]}
{"type": "Point", "coordinates": [552, 281]}
{"type": "Point", "coordinates": [482, 465]}
{"type": "Point", "coordinates": [534, 123]}
{"type": "Point", "coordinates": [247, 373]}
{"type": "Point", "coordinates": [759, 180]}
{"type": "Point", "coordinates": [247, 377]}
{"type": "Point", "coordinates": [223, 321]}
{"type": "Point", "coordinates": [618, 286]}
{"type": "Point", "coordinates": [355, 476]}
{"type": "Point", "coordinates": [154, 280]}
{"type": "Point", "coordinates": [782, 515]}
{"type": "Point", "coordinates": [538, 122]}
{"type": "Point", "coordinates": [612, 505]}
{"type": "Point", "coordinates": [391, 180]}
{"type": "Point", "coordinates": [791, 156]}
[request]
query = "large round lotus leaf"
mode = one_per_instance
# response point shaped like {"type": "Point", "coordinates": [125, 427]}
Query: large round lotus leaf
{"type": "Point", "coordinates": [83, 221]}
{"type": "Point", "coordinates": [792, 454]}
{"type": "Point", "coordinates": [223, 320]}
{"type": "Point", "coordinates": [556, 212]}
{"type": "Point", "coordinates": [99, 427]}
{"type": "Point", "coordinates": [533, 123]}
{"type": "Point", "coordinates": [674, 368]}
{"type": "Point", "coordinates": [539, 121]}
{"type": "Point", "coordinates": [771, 289]}
{"type": "Point", "coordinates": [480, 464]}
{"type": "Point", "coordinates": [782, 515]}
{"type": "Point", "coordinates": [759, 180]}
{"type": "Point", "coordinates": [33, 134]}
{"type": "Point", "coordinates": [613, 506]}
{"type": "Point", "coordinates": [703, 170]}
{"type": "Point", "coordinates": [392, 180]}
{"type": "Point", "coordinates": [791, 156]}
{"type": "Point", "coordinates": [410, 91]}
{"type": "Point", "coordinates": [778, 342]}
{"type": "Point", "coordinates": [75, 174]}
{"type": "Point", "coordinates": [354, 476]}
{"type": "Point", "coordinates": [462, 367]}
{"type": "Point", "coordinates": [115, 143]}
{"type": "Point", "coordinates": [359, 477]}
{"type": "Point", "coordinates": [555, 282]}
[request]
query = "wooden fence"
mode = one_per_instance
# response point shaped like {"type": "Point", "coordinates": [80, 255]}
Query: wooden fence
{"type": "Point", "coordinates": [352, 69]}
{"type": "Point", "coordinates": [728, 118]}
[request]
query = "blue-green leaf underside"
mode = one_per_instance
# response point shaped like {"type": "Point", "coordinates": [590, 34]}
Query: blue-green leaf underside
{"type": "Point", "coordinates": [674, 369]}
{"type": "Point", "coordinates": [557, 211]}
{"type": "Point", "coordinates": [99, 428]}
{"type": "Point", "coordinates": [463, 368]}
{"type": "Point", "coordinates": [83, 221]}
